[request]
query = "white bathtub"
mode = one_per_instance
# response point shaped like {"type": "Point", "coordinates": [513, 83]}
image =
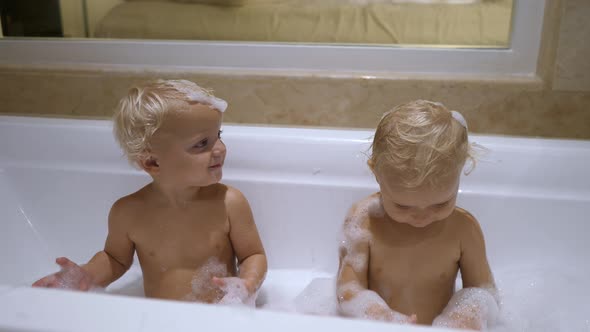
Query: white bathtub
{"type": "Point", "coordinates": [59, 177]}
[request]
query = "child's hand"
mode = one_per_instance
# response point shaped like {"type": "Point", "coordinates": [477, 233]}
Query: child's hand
{"type": "Point", "coordinates": [471, 309]}
{"type": "Point", "coordinates": [237, 291]}
{"type": "Point", "coordinates": [378, 312]}
{"type": "Point", "coordinates": [71, 276]}
{"type": "Point", "coordinates": [456, 320]}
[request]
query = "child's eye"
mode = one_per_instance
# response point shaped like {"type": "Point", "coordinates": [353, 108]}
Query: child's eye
{"type": "Point", "coordinates": [219, 133]}
{"type": "Point", "coordinates": [201, 144]}
{"type": "Point", "coordinates": [402, 207]}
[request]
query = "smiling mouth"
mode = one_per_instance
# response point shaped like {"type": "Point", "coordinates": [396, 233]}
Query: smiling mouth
{"type": "Point", "coordinates": [215, 166]}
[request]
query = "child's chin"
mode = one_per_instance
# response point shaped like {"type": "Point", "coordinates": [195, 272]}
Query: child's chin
{"type": "Point", "coordinates": [217, 176]}
{"type": "Point", "coordinates": [209, 182]}
{"type": "Point", "coordinates": [420, 225]}
{"type": "Point", "coordinates": [215, 179]}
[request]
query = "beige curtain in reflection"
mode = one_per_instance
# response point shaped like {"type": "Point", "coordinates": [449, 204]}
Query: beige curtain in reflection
{"type": "Point", "coordinates": [352, 21]}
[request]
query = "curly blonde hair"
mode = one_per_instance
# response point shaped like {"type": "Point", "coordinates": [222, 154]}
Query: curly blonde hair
{"type": "Point", "coordinates": [421, 143]}
{"type": "Point", "coordinates": [142, 111]}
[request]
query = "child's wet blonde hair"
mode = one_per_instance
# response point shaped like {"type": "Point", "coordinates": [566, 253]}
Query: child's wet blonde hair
{"type": "Point", "coordinates": [421, 143]}
{"type": "Point", "coordinates": [142, 111]}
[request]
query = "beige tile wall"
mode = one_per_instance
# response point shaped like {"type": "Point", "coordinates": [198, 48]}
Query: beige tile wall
{"type": "Point", "coordinates": [555, 105]}
{"type": "Point", "coordinates": [572, 68]}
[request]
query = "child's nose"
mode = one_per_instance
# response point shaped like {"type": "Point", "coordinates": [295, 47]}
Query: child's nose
{"type": "Point", "coordinates": [218, 148]}
{"type": "Point", "coordinates": [421, 214]}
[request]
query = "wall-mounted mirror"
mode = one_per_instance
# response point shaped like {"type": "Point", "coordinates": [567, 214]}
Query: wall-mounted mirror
{"type": "Point", "coordinates": [448, 23]}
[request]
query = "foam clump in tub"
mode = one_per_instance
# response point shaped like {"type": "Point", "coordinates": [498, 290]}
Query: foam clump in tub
{"type": "Point", "coordinates": [474, 303]}
{"type": "Point", "coordinates": [318, 298]}
{"type": "Point", "coordinates": [367, 304]}
{"type": "Point", "coordinates": [213, 276]}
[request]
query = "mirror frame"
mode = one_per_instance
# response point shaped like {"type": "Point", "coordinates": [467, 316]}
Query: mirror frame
{"type": "Point", "coordinates": [519, 60]}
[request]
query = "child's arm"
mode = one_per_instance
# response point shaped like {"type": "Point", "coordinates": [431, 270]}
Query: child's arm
{"type": "Point", "coordinates": [248, 250]}
{"type": "Point", "coordinates": [105, 267]}
{"type": "Point", "coordinates": [475, 306]}
{"type": "Point", "coordinates": [354, 297]}
{"type": "Point", "coordinates": [116, 258]}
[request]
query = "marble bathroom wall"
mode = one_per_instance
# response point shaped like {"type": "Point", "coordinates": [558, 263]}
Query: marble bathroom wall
{"type": "Point", "coordinates": [556, 104]}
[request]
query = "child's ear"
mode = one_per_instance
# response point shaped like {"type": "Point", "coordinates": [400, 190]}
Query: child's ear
{"type": "Point", "coordinates": [371, 165]}
{"type": "Point", "coordinates": [149, 163]}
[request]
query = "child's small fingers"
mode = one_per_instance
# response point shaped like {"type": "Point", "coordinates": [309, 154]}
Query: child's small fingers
{"type": "Point", "coordinates": [84, 285]}
{"type": "Point", "coordinates": [50, 284]}
{"type": "Point", "coordinates": [65, 263]}
{"type": "Point", "coordinates": [45, 281]}
{"type": "Point", "coordinates": [40, 283]}
{"type": "Point", "coordinates": [54, 284]}
{"type": "Point", "coordinates": [218, 281]}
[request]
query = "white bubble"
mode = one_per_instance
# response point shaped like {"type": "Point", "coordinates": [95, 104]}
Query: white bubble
{"type": "Point", "coordinates": [354, 234]}
{"type": "Point", "coordinates": [234, 289]}
{"type": "Point", "coordinates": [544, 296]}
{"type": "Point", "coordinates": [194, 93]}
{"type": "Point", "coordinates": [202, 279]}
{"type": "Point", "coordinates": [479, 304]}
{"type": "Point", "coordinates": [376, 209]}
{"type": "Point", "coordinates": [97, 289]}
{"type": "Point", "coordinates": [236, 293]}
{"type": "Point", "coordinates": [367, 304]}
{"type": "Point", "coordinates": [318, 298]}
{"type": "Point", "coordinates": [284, 306]}
{"type": "Point", "coordinates": [73, 278]}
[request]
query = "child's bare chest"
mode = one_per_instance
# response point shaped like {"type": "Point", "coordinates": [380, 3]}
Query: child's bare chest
{"type": "Point", "coordinates": [182, 239]}
{"type": "Point", "coordinates": [402, 261]}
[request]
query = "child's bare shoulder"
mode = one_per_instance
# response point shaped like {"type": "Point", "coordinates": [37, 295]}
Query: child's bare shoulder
{"type": "Point", "coordinates": [234, 196]}
{"type": "Point", "coordinates": [127, 207]}
{"type": "Point", "coordinates": [465, 222]}
{"type": "Point", "coordinates": [223, 192]}
{"type": "Point", "coordinates": [361, 212]}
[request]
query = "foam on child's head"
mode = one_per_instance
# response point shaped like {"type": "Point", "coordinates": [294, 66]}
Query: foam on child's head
{"type": "Point", "coordinates": [421, 143]}
{"type": "Point", "coordinates": [142, 111]}
{"type": "Point", "coordinates": [195, 93]}
{"type": "Point", "coordinates": [459, 117]}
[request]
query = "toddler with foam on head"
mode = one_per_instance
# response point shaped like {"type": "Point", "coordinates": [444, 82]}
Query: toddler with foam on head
{"type": "Point", "coordinates": [403, 246]}
{"type": "Point", "coordinates": [188, 229]}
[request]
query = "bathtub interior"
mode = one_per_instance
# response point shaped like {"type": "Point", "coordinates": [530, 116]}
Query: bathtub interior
{"type": "Point", "coordinates": [58, 179]}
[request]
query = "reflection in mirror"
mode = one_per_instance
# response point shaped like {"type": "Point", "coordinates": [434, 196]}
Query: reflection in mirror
{"type": "Point", "coordinates": [461, 23]}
